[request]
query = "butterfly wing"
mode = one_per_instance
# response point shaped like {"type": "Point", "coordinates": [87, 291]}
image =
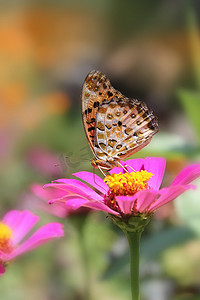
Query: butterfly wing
{"type": "Point", "coordinates": [123, 127]}
{"type": "Point", "coordinates": [96, 89]}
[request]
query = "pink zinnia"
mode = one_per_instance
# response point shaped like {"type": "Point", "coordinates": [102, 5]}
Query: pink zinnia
{"type": "Point", "coordinates": [14, 227]}
{"type": "Point", "coordinates": [123, 194]}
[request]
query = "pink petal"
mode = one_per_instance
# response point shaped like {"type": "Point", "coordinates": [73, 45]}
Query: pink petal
{"type": "Point", "coordinates": [41, 236]}
{"type": "Point", "coordinates": [67, 198]}
{"type": "Point", "coordinates": [118, 170]}
{"type": "Point", "coordinates": [20, 222]}
{"type": "Point", "coordinates": [136, 164]}
{"type": "Point", "coordinates": [61, 191]}
{"type": "Point", "coordinates": [72, 188]}
{"type": "Point", "coordinates": [169, 194]}
{"type": "Point", "coordinates": [76, 203]}
{"type": "Point", "coordinates": [94, 180]}
{"type": "Point", "coordinates": [2, 269]}
{"type": "Point", "coordinates": [131, 166]}
{"type": "Point", "coordinates": [45, 194]}
{"type": "Point", "coordinates": [187, 175]}
{"type": "Point", "coordinates": [96, 205]}
{"type": "Point", "coordinates": [145, 198]}
{"type": "Point", "coordinates": [58, 210]}
{"type": "Point", "coordinates": [126, 203]}
{"type": "Point", "coordinates": [156, 166]}
{"type": "Point", "coordinates": [74, 182]}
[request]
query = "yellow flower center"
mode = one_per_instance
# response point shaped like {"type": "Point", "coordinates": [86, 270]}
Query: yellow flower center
{"type": "Point", "coordinates": [129, 183]}
{"type": "Point", "coordinates": [5, 238]}
{"type": "Point", "coordinates": [126, 184]}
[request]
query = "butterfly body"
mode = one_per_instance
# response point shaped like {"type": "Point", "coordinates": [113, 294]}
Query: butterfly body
{"type": "Point", "coordinates": [116, 126]}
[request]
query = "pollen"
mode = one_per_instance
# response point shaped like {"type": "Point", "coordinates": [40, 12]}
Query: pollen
{"type": "Point", "coordinates": [5, 238]}
{"type": "Point", "coordinates": [129, 183]}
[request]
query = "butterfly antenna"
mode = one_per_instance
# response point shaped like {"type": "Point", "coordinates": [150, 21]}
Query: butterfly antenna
{"type": "Point", "coordinates": [86, 159]}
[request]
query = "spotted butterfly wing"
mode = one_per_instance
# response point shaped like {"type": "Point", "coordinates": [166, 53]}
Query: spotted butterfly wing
{"type": "Point", "coordinates": [96, 89]}
{"type": "Point", "coordinates": [116, 126]}
{"type": "Point", "coordinates": [123, 127]}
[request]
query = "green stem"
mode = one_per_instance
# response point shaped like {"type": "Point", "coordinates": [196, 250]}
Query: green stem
{"type": "Point", "coordinates": [134, 247]}
{"type": "Point", "coordinates": [133, 228]}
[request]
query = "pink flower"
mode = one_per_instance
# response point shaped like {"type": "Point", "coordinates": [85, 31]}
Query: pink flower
{"type": "Point", "coordinates": [44, 162]}
{"type": "Point", "coordinates": [14, 227]}
{"type": "Point", "coordinates": [121, 196]}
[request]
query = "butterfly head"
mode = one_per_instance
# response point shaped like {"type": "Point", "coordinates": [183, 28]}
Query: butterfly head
{"type": "Point", "coordinates": [94, 163]}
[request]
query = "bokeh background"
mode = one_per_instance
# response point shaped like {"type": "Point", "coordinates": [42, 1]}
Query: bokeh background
{"type": "Point", "coordinates": [151, 51]}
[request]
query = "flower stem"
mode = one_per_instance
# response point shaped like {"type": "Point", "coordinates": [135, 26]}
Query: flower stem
{"type": "Point", "coordinates": [133, 228]}
{"type": "Point", "coordinates": [134, 247]}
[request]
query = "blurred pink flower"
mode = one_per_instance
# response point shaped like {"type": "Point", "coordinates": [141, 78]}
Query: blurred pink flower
{"type": "Point", "coordinates": [145, 200]}
{"type": "Point", "coordinates": [14, 227]}
{"type": "Point", "coordinates": [44, 162]}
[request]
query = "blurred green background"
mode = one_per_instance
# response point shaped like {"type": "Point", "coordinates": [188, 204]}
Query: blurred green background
{"type": "Point", "coordinates": [151, 51]}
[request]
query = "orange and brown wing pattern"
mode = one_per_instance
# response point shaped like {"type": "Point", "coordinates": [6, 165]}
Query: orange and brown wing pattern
{"type": "Point", "coordinates": [116, 126]}
{"type": "Point", "coordinates": [123, 127]}
{"type": "Point", "coordinates": [96, 89]}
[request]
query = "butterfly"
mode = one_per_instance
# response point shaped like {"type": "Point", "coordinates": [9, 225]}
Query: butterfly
{"type": "Point", "coordinates": [116, 126]}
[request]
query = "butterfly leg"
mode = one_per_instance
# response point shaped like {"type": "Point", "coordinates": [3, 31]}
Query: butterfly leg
{"type": "Point", "coordinates": [95, 180]}
{"type": "Point", "coordinates": [123, 167]}
{"type": "Point", "coordinates": [130, 168]}
{"type": "Point", "coordinates": [100, 169]}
